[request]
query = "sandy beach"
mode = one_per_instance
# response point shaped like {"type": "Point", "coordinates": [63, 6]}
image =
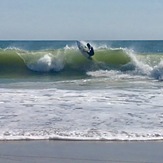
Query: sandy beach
{"type": "Point", "coordinates": [80, 151]}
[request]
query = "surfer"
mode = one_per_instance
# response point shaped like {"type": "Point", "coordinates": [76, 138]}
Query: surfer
{"type": "Point", "coordinates": [91, 50]}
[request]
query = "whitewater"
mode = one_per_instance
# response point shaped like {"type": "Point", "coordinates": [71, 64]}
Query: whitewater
{"type": "Point", "coordinates": [50, 91]}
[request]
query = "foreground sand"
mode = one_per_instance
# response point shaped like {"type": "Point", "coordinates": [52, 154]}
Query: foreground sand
{"type": "Point", "coordinates": [80, 152]}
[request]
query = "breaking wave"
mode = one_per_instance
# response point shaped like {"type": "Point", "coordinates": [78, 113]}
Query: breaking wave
{"type": "Point", "coordinates": [18, 61]}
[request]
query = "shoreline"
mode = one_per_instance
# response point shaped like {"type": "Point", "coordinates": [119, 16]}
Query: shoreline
{"type": "Point", "coordinates": [82, 140]}
{"type": "Point", "coordinates": [50, 151]}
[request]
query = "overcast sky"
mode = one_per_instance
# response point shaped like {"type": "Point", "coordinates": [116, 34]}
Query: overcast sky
{"type": "Point", "coordinates": [81, 19]}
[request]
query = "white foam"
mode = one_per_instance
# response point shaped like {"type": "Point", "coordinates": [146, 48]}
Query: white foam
{"type": "Point", "coordinates": [47, 63]}
{"type": "Point", "coordinates": [157, 72]}
{"type": "Point", "coordinates": [97, 114]}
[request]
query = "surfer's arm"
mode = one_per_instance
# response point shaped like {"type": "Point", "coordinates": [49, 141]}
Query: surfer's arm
{"type": "Point", "coordinates": [90, 52]}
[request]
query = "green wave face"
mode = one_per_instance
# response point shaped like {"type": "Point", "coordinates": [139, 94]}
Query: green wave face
{"type": "Point", "coordinates": [20, 62]}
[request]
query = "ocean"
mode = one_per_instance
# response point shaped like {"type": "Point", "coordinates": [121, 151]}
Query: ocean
{"type": "Point", "coordinates": [49, 91]}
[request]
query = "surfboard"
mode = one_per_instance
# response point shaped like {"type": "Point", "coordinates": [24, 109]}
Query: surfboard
{"type": "Point", "coordinates": [83, 48]}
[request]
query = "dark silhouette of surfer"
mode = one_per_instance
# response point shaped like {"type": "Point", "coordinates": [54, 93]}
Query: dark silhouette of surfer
{"type": "Point", "coordinates": [91, 50]}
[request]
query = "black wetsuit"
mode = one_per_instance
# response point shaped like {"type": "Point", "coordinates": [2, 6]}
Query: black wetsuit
{"type": "Point", "coordinates": [91, 52]}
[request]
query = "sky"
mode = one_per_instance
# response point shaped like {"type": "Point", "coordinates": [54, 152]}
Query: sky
{"type": "Point", "coordinates": [81, 19]}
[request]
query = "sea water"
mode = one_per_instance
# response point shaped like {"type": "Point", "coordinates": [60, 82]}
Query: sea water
{"type": "Point", "coordinates": [48, 90]}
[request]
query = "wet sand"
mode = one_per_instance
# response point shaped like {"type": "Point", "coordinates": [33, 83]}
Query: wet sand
{"type": "Point", "coordinates": [80, 152]}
